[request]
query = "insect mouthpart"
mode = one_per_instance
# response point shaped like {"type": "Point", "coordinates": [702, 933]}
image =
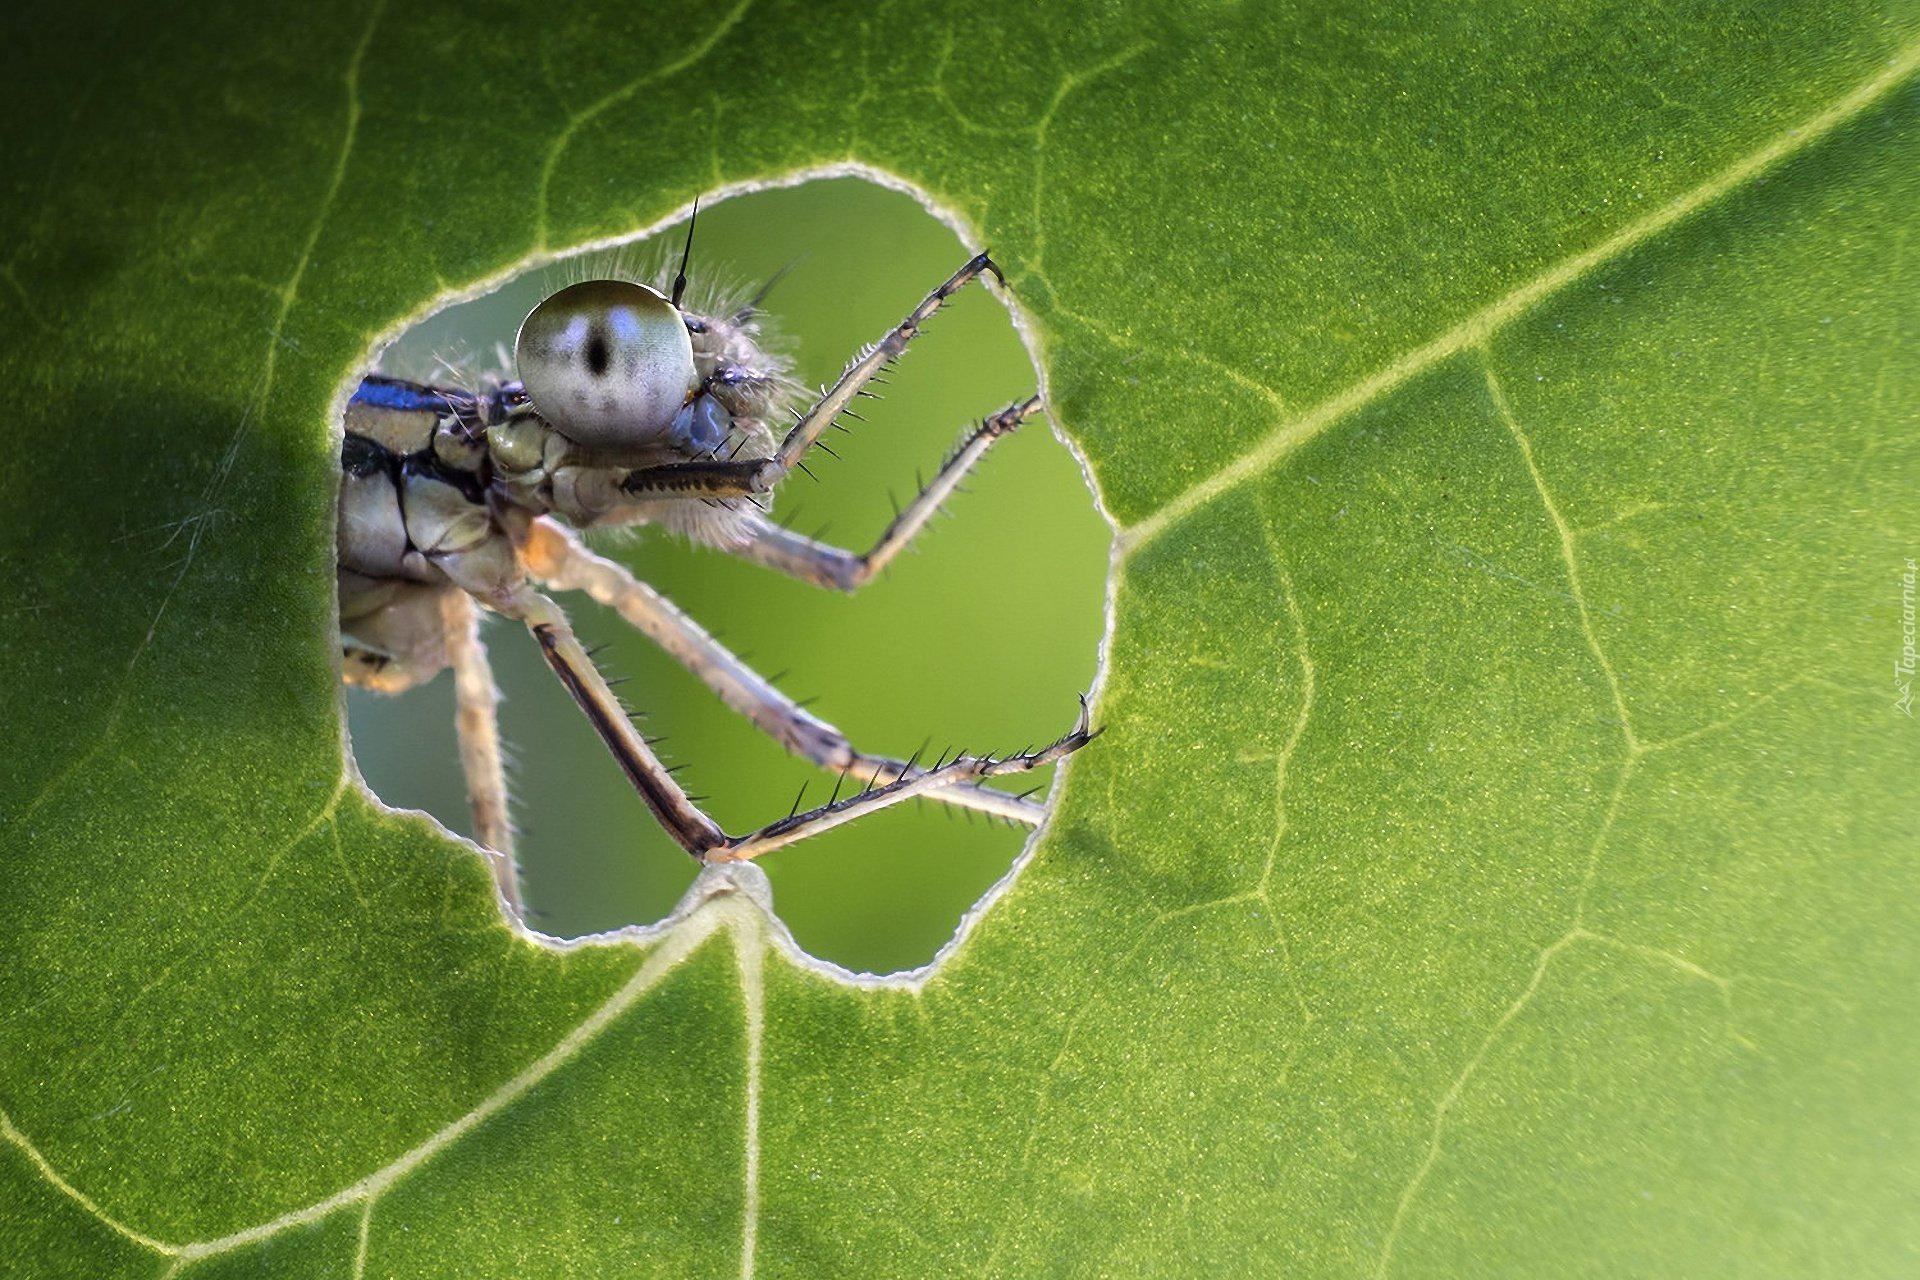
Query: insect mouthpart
{"type": "Point", "coordinates": [702, 425]}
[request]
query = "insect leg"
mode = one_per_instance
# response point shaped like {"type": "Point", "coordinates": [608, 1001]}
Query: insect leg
{"type": "Point", "coordinates": [814, 423]}
{"type": "Point", "coordinates": [828, 566]}
{"type": "Point", "coordinates": [478, 728]}
{"type": "Point", "coordinates": [697, 833]}
{"type": "Point", "coordinates": [964, 769]}
{"type": "Point", "coordinates": [739, 479]}
{"type": "Point", "coordinates": [554, 555]}
{"type": "Point", "coordinates": [693, 830]}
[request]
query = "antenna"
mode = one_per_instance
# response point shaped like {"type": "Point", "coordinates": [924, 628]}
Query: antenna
{"type": "Point", "coordinates": [680, 281]}
{"type": "Point", "coordinates": [751, 307]}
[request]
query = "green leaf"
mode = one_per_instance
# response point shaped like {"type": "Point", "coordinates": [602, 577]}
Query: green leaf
{"type": "Point", "coordinates": [1500, 857]}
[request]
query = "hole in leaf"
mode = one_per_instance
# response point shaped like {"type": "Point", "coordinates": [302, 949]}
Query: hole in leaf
{"type": "Point", "coordinates": [978, 637]}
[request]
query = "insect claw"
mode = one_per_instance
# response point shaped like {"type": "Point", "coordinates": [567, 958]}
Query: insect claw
{"type": "Point", "coordinates": [1084, 724]}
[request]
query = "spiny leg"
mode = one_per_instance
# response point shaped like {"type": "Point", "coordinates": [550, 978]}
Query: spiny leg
{"type": "Point", "coordinates": [721, 480]}
{"type": "Point", "coordinates": [828, 566]}
{"type": "Point", "coordinates": [798, 826]}
{"type": "Point", "coordinates": [693, 830]}
{"type": "Point", "coordinates": [477, 727]}
{"type": "Point", "coordinates": [814, 423]}
{"type": "Point", "coordinates": [555, 556]}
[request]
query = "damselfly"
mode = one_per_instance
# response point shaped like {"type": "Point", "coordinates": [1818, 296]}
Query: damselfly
{"type": "Point", "coordinates": [629, 408]}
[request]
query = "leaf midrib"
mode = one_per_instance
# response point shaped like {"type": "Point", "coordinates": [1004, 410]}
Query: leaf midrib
{"type": "Point", "coordinates": [676, 943]}
{"type": "Point", "coordinates": [1475, 331]}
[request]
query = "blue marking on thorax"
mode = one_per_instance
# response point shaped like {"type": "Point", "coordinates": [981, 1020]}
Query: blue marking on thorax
{"type": "Point", "coordinates": [404, 397]}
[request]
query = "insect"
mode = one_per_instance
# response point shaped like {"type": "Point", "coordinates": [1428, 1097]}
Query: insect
{"type": "Point", "coordinates": [629, 409]}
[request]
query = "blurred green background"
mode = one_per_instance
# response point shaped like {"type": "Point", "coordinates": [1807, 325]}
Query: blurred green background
{"type": "Point", "coordinates": [980, 636]}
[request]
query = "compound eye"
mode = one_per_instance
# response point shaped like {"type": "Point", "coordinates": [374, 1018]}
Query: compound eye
{"type": "Point", "coordinates": [606, 362]}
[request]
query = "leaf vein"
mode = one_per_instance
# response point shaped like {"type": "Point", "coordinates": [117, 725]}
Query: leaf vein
{"type": "Point", "coordinates": [678, 943]}
{"type": "Point", "coordinates": [607, 102]}
{"type": "Point", "coordinates": [1477, 328]}
{"type": "Point", "coordinates": [1283, 762]}
{"type": "Point", "coordinates": [1452, 1095]}
{"type": "Point", "coordinates": [750, 954]}
{"type": "Point", "coordinates": [25, 1146]}
{"type": "Point", "coordinates": [1567, 552]}
{"type": "Point", "coordinates": [360, 1243]}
